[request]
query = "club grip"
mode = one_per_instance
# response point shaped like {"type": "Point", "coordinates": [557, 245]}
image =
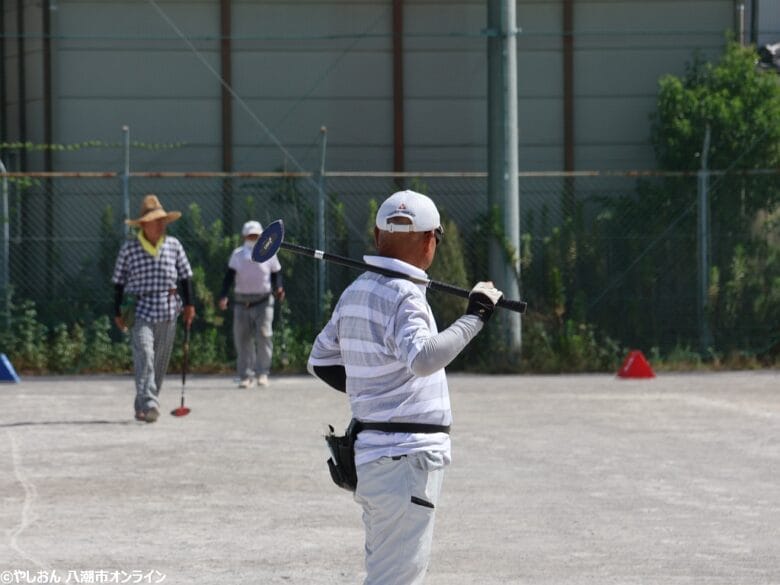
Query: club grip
{"type": "Point", "coordinates": [516, 306]}
{"type": "Point", "coordinates": [504, 303]}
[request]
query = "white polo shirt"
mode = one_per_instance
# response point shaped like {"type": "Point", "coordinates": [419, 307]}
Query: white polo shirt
{"type": "Point", "coordinates": [252, 278]}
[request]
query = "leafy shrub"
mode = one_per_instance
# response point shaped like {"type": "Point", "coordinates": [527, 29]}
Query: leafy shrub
{"type": "Point", "coordinates": [27, 345]}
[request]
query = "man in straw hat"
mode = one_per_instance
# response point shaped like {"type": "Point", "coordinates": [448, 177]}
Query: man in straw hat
{"type": "Point", "coordinates": [382, 347]}
{"type": "Point", "coordinates": [149, 268]}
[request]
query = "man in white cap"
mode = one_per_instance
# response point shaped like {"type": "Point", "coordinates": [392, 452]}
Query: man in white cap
{"type": "Point", "coordinates": [151, 268]}
{"type": "Point", "coordinates": [256, 285]}
{"type": "Point", "coordinates": [381, 346]}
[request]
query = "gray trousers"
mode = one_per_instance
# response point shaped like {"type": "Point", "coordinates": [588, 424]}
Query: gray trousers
{"type": "Point", "coordinates": [152, 346]}
{"type": "Point", "coordinates": [253, 337]}
{"type": "Point", "coordinates": [399, 499]}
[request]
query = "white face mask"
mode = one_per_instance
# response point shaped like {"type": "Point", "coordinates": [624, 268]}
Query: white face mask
{"type": "Point", "coordinates": [249, 244]}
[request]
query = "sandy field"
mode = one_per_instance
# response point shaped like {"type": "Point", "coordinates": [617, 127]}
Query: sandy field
{"type": "Point", "coordinates": [555, 480]}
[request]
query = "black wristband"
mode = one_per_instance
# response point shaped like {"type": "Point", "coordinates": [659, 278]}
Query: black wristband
{"type": "Point", "coordinates": [186, 291]}
{"type": "Point", "coordinates": [119, 291]}
{"type": "Point", "coordinates": [227, 282]}
{"type": "Point", "coordinates": [276, 280]}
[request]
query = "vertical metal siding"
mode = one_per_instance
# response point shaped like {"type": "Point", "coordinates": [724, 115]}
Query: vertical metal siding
{"type": "Point", "coordinates": [768, 22]}
{"type": "Point", "coordinates": [300, 65]}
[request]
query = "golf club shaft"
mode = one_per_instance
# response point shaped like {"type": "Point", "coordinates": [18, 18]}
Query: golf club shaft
{"type": "Point", "coordinates": [517, 306]}
{"type": "Point", "coordinates": [186, 361]}
{"type": "Point", "coordinates": [186, 354]}
{"type": "Point", "coordinates": [182, 410]}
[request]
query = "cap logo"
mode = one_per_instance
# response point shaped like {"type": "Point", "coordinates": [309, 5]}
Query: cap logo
{"type": "Point", "coordinates": [402, 209]}
{"type": "Point", "coordinates": [417, 209]}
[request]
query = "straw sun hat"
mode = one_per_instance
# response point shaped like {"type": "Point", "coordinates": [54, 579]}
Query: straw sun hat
{"type": "Point", "coordinates": [152, 209]}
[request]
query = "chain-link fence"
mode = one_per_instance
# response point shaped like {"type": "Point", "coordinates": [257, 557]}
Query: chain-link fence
{"type": "Point", "coordinates": [621, 251]}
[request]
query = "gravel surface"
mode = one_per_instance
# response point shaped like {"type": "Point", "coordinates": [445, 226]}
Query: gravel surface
{"type": "Point", "coordinates": [555, 480]}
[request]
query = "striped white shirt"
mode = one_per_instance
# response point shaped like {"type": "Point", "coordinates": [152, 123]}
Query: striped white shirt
{"type": "Point", "coordinates": [377, 329]}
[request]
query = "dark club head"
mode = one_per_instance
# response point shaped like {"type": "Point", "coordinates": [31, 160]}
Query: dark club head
{"type": "Point", "coordinates": [269, 242]}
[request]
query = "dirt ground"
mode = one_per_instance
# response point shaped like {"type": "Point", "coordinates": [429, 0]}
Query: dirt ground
{"type": "Point", "coordinates": [555, 480]}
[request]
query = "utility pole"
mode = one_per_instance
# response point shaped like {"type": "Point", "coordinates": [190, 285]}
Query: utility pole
{"type": "Point", "coordinates": [126, 177]}
{"type": "Point", "coordinates": [503, 187]}
{"type": "Point", "coordinates": [703, 237]}
{"type": "Point", "coordinates": [6, 249]}
{"type": "Point", "coordinates": [318, 305]}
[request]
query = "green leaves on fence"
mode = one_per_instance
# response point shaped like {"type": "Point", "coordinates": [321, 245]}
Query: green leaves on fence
{"type": "Point", "coordinates": [97, 144]}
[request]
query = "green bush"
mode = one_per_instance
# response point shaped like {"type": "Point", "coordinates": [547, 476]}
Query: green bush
{"type": "Point", "coordinates": [104, 355]}
{"type": "Point", "coordinates": [65, 350]}
{"type": "Point", "coordinates": [28, 341]}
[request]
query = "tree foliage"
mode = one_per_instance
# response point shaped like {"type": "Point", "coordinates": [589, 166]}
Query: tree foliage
{"type": "Point", "coordinates": [738, 101]}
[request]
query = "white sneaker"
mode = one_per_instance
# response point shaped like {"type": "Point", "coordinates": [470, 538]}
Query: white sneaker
{"type": "Point", "coordinates": [262, 380]}
{"type": "Point", "coordinates": [246, 383]}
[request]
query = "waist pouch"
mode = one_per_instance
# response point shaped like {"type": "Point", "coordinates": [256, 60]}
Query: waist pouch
{"type": "Point", "coordinates": [342, 448]}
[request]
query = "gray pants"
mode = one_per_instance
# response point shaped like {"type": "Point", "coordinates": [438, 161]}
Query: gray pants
{"type": "Point", "coordinates": [152, 346]}
{"type": "Point", "coordinates": [399, 498]}
{"type": "Point", "coordinates": [253, 337]}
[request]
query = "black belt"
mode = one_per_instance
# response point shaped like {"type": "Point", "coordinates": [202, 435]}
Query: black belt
{"type": "Point", "coordinates": [401, 427]}
{"type": "Point", "coordinates": [250, 304]}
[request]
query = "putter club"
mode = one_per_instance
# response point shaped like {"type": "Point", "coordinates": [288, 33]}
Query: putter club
{"type": "Point", "coordinates": [272, 239]}
{"type": "Point", "coordinates": [183, 410]}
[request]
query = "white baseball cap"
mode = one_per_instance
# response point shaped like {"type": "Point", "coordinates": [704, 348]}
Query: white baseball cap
{"type": "Point", "coordinates": [418, 208]}
{"type": "Point", "coordinates": [251, 227]}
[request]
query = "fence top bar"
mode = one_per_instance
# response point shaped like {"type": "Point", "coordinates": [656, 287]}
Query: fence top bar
{"type": "Point", "coordinates": [63, 175]}
{"type": "Point", "coordinates": [546, 174]}
{"type": "Point", "coordinates": [370, 174]}
{"type": "Point", "coordinates": [403, 175]}
{"type": "Point", "coordinates": [154, 175]}
{"type": "Point", "coordinates": [222, 175]}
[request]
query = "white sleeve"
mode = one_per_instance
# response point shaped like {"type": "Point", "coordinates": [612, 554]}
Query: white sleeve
{"type": "Point", "coordinates": [233, 260]}
{"type": "Point", "coordinates": [438, 351]}
{"type": "Point", "coordinates": [326, 350]}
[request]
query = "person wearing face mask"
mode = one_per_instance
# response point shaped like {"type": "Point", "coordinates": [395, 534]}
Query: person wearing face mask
{"type": "Point", "coordinates": [256, 286]}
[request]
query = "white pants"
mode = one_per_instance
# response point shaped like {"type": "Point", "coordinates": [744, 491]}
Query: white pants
{"type": "Point", "coordinates": [399, 498]}
{"type": "Point", "coordinates": [253, 338]}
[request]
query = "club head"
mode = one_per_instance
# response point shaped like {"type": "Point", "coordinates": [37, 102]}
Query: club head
{"type": "Point", "coordinates": [269, 242]}
{"type": "Point", "coordinates": [181, 411]}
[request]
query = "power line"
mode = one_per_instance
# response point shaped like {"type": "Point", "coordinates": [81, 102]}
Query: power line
{"type": "Point", "coordinates": [239, 100]}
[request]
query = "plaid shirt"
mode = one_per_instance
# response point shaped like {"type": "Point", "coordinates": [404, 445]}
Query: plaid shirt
{"type": "Point", "coordinates": [152, 278]}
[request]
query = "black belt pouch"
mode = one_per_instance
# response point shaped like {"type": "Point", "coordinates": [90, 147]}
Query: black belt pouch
{"type": "Point", "coordinates": [342, 460]}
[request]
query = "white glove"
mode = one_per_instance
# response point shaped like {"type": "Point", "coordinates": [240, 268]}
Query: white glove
{"type": "Point", "coordinates": [482, 300]}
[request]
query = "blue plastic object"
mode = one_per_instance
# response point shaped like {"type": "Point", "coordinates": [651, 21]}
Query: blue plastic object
{"type": "Point", "coordinates": [7, 372]}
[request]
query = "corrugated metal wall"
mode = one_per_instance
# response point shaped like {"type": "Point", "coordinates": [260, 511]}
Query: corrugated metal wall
{"type": "Point", "coordinates": [769, 22]}
{"type": "Point", "coordinates": [300, 65]}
